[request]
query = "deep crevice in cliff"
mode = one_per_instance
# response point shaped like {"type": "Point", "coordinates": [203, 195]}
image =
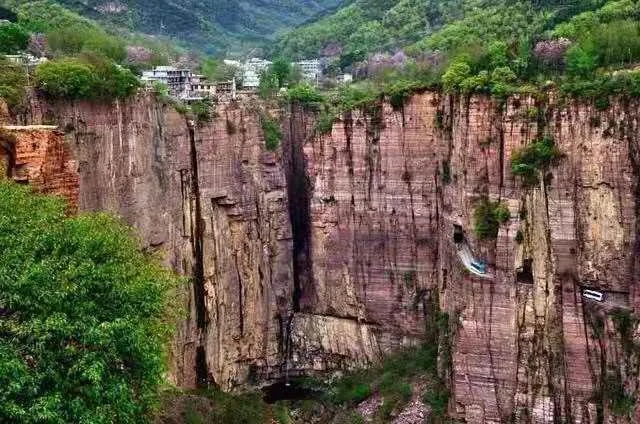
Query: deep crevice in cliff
{"type": "Point", "coordinates": [299, 196]}
{"type": "Point", "coordinates": [199, 292]}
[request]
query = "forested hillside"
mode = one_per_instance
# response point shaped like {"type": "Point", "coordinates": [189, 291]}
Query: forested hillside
{"type": "Point", "coordinates": [369, 26]}
{"type": "Point", "coordinates": [211, 25]}
{"type": "Point", "coordinates": [585, 48]}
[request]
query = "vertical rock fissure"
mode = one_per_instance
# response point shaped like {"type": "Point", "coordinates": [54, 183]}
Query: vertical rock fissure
{"type": "Point", "coordinates": [10, 150]}
{"type": "Point", "coordinates": [240, 298]}
{"type": "Point", "coordinates": [299, 209]}
{"type": "Point", "coordinates": [202, 373]}
{"type": "Point", "coordinates": [634, 158]}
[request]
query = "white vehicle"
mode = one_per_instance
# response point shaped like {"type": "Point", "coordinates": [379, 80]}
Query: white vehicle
{"type": "Point", "coordinates": [593, 295]}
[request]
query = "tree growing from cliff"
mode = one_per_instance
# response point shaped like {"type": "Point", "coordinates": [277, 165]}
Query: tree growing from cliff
{"type": "Point", "coordinates": [488, 216]}
{"type": "Point", "coordinates": [83, 315]}
{"type": "Point", "coordinates": [529, 161]}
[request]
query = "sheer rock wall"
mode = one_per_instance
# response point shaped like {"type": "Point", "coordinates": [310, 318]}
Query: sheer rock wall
{"type": "Point", "coordinates": [386, 189]}
{"type": "Point", "coordinates": [328, 252]}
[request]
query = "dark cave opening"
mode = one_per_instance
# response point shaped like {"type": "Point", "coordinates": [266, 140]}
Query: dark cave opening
{"type": "Point", "coordinates": [293, 389]}
{"type": "Point", "coordinates": [458, 234]}
{"type": "Point", "coordinates": [524, 274]}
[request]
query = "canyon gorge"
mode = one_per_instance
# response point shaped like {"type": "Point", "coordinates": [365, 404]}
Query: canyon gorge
{"type": "Point", "coordinates": [336, 249]}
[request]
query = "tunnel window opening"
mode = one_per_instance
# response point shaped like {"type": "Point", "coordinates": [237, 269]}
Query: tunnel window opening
{"type": "Point", "coordinates": [458, 235]}
{"type": "Point", "coordinates": [524, 274]}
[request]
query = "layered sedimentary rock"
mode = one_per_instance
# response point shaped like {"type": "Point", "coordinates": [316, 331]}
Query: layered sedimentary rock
{"type": "Point", "coordinates": [40, 157]}
{"type": "Point", "coordinates": [214, 202]}
{"type": "Point", "coordinates": [331, 251]}
{"type": "Point", "coordinates": [386, 189]}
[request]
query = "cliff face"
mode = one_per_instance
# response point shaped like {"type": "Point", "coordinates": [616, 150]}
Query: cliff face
{"type": "Point", "coordinates": [332, 251]}
{"type": "Point", "coordinates": [387, 188]}
{"type": "Point", "coordinates": [214, 202]}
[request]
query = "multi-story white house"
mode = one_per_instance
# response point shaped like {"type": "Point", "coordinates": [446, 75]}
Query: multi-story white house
{"type": "Point", "coordinates": [185, 85]}
{"type": "Point", "coordinates": [251, 71]}
{"type": "Point", "coordinates": [310, 69]}
{"type": "Point", "coordinates": [25, 59]}
{"type": "Point", "coordinates": [177, 80]}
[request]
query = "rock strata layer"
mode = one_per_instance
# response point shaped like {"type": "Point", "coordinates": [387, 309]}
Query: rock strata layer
{"type": "Point", "coordinates": [330, 252]}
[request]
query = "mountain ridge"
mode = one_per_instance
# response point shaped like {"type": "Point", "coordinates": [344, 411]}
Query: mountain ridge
{"type": "Point", "coordinates": [214, 26]}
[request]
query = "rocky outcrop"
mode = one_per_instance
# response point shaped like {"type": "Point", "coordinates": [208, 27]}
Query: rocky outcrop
{"type": "Point", "coordinates": [40, 157]}
{"type": "Point", "coordinates": [332, 251]}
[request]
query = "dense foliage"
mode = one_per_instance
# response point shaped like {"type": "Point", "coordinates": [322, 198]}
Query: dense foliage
{"type": "Point", "coordinates": [67, 33]}
{"type": "Point", "coordinates": [529, 161]}
{"type": "Point", "coordinates": [13, 38]}
{"type": "Point", "coordinates": [83, 315]}
{"type": "Point", "coordinates": [13, 80]}
{"type": "Point", "coordinates": [281, 73]}
{"type": "Point", "coordinates": [488, 216]}
{"type": "Point", "coordinates": [271, 131]}
{"type": "Point", "coordinates": [88, 77]}
{"type": "Point", "coordinates": [481, 46]}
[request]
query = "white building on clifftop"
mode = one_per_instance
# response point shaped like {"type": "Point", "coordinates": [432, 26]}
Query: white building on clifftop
{"type": "Point", "coordinates": [251, 71]}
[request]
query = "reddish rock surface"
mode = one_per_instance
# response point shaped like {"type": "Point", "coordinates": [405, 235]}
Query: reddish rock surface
{"type": "Point", "coordinates": [327, 253]}
{"type": "Point", "coordinates": [382, 214]}
{"type": "Point", "coordinates": [216, 205]}
{"type": "Point", "coordinates": [41, 158]}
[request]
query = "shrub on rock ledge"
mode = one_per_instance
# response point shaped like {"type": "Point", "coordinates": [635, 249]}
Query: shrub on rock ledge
{"type": "Point", "coordinates": [529, 161]}
{"type": "Point", "coordinates": [488, 216]}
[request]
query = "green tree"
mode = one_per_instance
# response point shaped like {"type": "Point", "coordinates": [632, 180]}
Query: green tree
{"type": "Point", "coordinates": [110, 80]}
{"type": "Point", "coordinates": [305, 94]}
{"type": "Point", "coordinates": [13, 81]}
{"type": "Point", "coordinates": [66, 79]}
{"type": "Point", "coordinates": [455, 75]}
{"type": "Point", "coordinates": [581, 61]}
{"type": "Point", "coordinates": [488, 216]}
{"type": "Point", "coordinates": [217, 71]}
{"type": "Point", "coordinates": [90, 77]}
{"type": "Point", "coordinates": [268, 84]}
{"type": "Point", "coordinates": [13, 38]}
{"type": "Point", "coordinates": [105, 45]}
{"type": "Point", "coordinates": [530, 160]}
{"type": "Point", "coordinates": [282, 70]}
{"type": "Point", "coordinates": [83, 315]}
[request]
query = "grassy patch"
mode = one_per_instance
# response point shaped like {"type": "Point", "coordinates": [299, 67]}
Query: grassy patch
{"type": "Point", "coordinates": [202, 110]}
{"type": "Point", "coordinates": [625, 323]}
{"type": "Point", "coordinates": [305, 95]}
{"type": "Point", "coordinates": [437, 397]}
{"type": "Point", "coordinates": [620, 403]}
{"type": "Point", "coordinates": [324, 124]}
{"type": "Point", "coordinates": [446, 171]}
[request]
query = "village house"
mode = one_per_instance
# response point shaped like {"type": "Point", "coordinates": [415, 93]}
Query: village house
{"type": "Point", "coordinates": [177, 80]}
{"type": "Point", "coordinates": [185, 85]}
{"type": "Point", "coordinates": [27, 60]}
{"type": "Point", "coordinates": [310, 70]}
{"type": "Point", "coordinates": [251, 71]}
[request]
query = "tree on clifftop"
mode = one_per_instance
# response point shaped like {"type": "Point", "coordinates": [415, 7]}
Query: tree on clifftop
{"type": "Point", "coordinates": [13, 38]}
{"type": "Point", "coordinates": [83, 316]}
